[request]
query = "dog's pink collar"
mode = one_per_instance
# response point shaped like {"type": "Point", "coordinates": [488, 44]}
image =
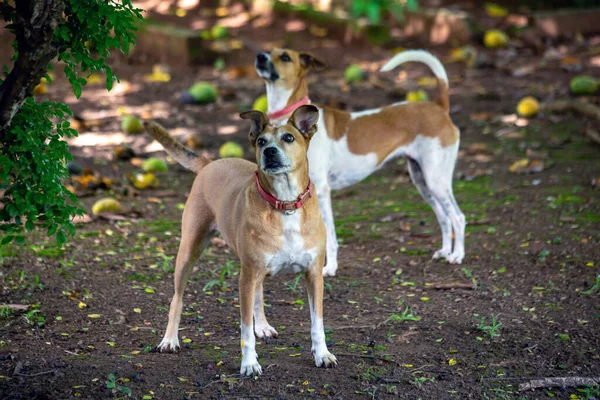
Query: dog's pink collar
{"type": "Point", "coordinates": [284, 205]}
{"type": "Point", "coordinates": [289, 109]}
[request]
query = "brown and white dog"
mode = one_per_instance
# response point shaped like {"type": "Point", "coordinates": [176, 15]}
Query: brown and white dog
{"type": "Point", "coordinates": [348, 147]}
{"type": "Point", "coordinates": [267, 215]}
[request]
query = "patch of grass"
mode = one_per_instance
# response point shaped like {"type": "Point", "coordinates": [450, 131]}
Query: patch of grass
{"type": "Point", "coordinates": [160, 225]}
{"type": "Point", "coordinates": [407, 315]}
{"type": "Point", "coordinates": [228, 270]}
{"type": "Point", "coordinates": [293, 284]}
{"type": "Point", "coordinates": [114, 387]}
{"type": "Point", "coordinates": [492, 330]}
{"type": "Point", "coordinates": [420, 381]}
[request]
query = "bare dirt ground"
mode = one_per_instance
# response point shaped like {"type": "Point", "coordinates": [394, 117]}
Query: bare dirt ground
{"type": "Point", "coordinates": [522, 306]}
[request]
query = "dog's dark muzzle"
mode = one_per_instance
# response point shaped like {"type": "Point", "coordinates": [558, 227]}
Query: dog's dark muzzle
{"type": "Point", "coordinates": [265, 67]}
{"type": "Point", "coordinates": [271, 158]}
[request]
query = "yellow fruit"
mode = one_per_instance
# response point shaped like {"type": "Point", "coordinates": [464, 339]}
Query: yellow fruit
{"type": "Point", "coordinates": [528, 107]}
{"type": "Point", "coordinates": [204, 92]}
{"type": "Point", "coordinates": [144, 181]}
{"type": "Point", "coordinates": [131, 124]}
{"type": "Point", "coordinates": [261, 104]}
{"type": "Point", "coordinates": [40, 89]}
{"type": "Point", "coordinates": [106, 205]}
{"type": "Point", "coordinates": [495, 39]}
{"type": "Point", "coordinates": [417, 95]}
{"type": "Point", "coordinates": [354, 73]}
{"type": "Point", "coordinates": [155, 165]}
{"type": "Point", "coordinates": [231, 149]}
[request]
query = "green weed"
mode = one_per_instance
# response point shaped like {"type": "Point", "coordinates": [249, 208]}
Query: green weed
{"type": "Point", "coordinates": [492, 330]}
{"type": "Point", "coordinates": [407, 315]}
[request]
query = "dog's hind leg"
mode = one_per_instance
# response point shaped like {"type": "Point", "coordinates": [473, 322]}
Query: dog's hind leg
{"type": "Point", "coordinates": [195, 233]}
{"type": "Point", "coordinates": [331, 265]}
{"type": "Point", "coordinates": [261, 326]}
{"type": "Point", "coordinates": [438, 171]}
{"type": "Point", "coordinates": [416, 175]}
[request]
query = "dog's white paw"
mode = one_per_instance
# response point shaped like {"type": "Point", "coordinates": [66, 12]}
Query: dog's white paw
{"type": "Point", "coordinates": [325, 360]}
{"type": "Point", "coordinates": [250, 367]}
{"type": "Point", "coordinates": [265, 331]}
{"type": "Point", "coordinates": [169, 344]}
{"type": "Point", "coordinates": [329, 270]}
{"type": "Point", "coordinates": [456, 257]}
{"type": "Point", "coordinates": [441, 253]}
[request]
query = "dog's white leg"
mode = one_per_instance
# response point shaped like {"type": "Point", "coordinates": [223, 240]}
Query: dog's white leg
{"type": "Point", "coordinates": [193, 241]}
{"type": "Point", "coordinates": [459, 224]}
{"type": "Point", "coordinates": [250, 365]}
{"type": "Point", "coordinates": [261, 326]}
{"type": "Point", "coordinates": [416, 175]}
{"type": "Point", "coordinates": [314, 285]}
{"type": "Point", "coordinates": [324, 195]}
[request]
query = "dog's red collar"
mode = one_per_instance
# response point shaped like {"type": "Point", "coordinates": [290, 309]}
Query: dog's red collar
{"type": "Point", "coordinates": [289, 206]}
{"type": "Point", "coordinates": [289, 109]}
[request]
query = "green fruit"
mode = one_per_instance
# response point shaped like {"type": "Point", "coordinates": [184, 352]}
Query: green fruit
{"type": "Point", "coordinates": [354, 73]}
{"type": "Point", "coordinates": [231, 149]}
{"type": "Point", "coordinates": [417, 95]}
{"type": "Point", "coordinates": [219, 32]}
{"type": "Point", "coordinates": [155, 165]}
{"type": "Point", "coordinates": [204, 92]}
{"type": "Point", "coordinates": [106, 205]}
{"type": "Point", "coordinates": [132, 124]}
{"type": "Point", "coordinates": [261, 104]}
{"type": "Point", "coordinates": [584, 85]}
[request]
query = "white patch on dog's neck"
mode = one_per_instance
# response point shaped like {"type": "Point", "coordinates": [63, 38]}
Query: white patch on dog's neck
{"type": "Point", "coordinates": [285, 187]}
{"type": "Point", "coordinates": [277, 97]}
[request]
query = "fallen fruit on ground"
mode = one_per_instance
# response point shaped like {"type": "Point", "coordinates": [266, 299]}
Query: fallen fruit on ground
{"type": "Point", "coordinates": [155, 165]}
{"type": "Point", "coordinates": [417, 95]}
{"type": "Point", "coordinates": [132, 124]}
{"type": "Point", "coordinates": [219, 32]}
{"type": "Point", "coordinates": [584, 85]}
{"type": "Point", "coordinates": [143, 181]}
{"type": "Point", "coordinates": [107, 205]}
{"type": "Point", "coordinates": [495, 39]}
{"type": "Point", "coordinates": [354, 73]}
{"type": "Point", "coordinates": [261, 104]}
{"type": "Point", "coordinates": [528, 107]}
{"type": "Point", "coordinates": [231, 149]}
{"type": "Point", "coordinates": [203, 92]}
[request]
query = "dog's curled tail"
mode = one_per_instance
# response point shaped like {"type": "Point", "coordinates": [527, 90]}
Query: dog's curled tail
{"type": "Point", "coordinates": [433, 63]}
{"type": "Point", "coordinates": [179, 152]}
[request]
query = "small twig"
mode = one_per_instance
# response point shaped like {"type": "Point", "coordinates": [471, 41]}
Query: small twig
{"type": "Point", "coordinates": [570, 381]}
{"type": "Point", "coordinates": [37, 374]}
{"type": "Point", "coordinates": [453, 285]}
{"type": "Point", "coordinates": [17, 307]}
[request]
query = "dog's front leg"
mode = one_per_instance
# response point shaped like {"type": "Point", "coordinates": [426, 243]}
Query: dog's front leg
{"type": "Point", "coordinates": [314, 286]}
{"type": "Point", "coordinates": [324, 195]}
{"type": "Point", "coordinates": [248, 283]}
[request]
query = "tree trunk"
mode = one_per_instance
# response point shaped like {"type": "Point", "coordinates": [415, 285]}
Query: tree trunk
{"type": "Point", "coordinates": [35, 23]}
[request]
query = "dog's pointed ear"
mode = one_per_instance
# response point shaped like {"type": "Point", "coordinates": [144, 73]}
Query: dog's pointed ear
{"type": "Point", "coordinates": [308, 61]}
{"type": "Point", "coordinates": [305, 119]}
{"type": "Point", "coordinates": [258, 122]}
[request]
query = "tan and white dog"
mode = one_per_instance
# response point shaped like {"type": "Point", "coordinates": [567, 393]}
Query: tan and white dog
{"type": "Point", "coordinates": [267, 215]}
{"type": "Point", "coordinates": [348, 147]}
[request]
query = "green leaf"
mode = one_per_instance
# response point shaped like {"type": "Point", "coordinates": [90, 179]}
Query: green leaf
{"type": "Point", "coordinates": [374, 13]}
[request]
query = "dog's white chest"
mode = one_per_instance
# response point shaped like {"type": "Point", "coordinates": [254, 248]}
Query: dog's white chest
{"type": "Point", "coordinates": [291, 257]}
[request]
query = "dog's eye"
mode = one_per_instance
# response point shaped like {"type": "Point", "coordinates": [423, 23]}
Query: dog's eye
{"type": "Point", "coordinates": [261, 142]}
{"type": "Point", "coordinates": [285, 57]}
{"type": "Point", "coordinates": [288, 138]}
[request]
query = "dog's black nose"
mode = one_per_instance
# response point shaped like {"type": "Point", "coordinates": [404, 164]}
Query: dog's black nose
{"type": "Point", "coordinates": [270, 151]}
{"type": "Point", "coordinates": [261, 57]}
